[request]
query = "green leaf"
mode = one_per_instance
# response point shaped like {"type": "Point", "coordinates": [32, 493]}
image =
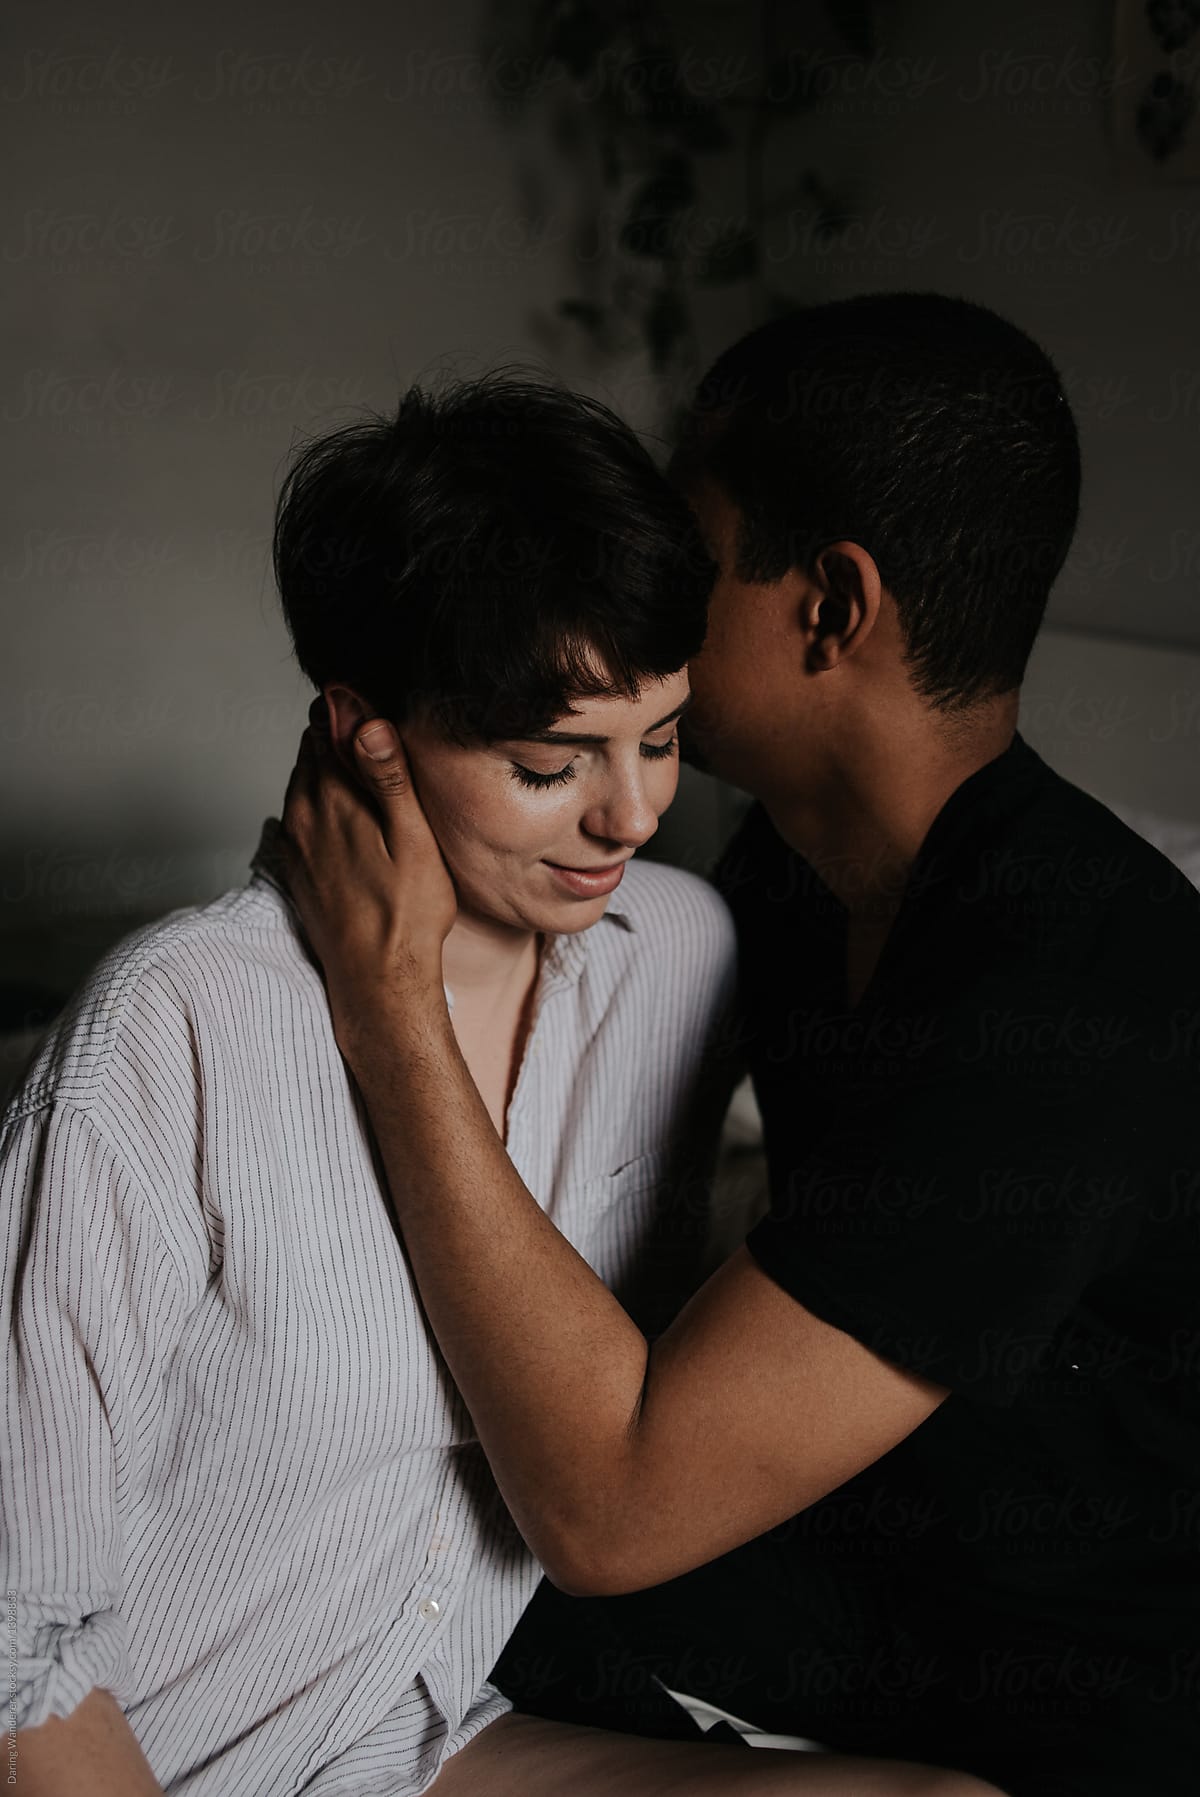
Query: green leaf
{"type": "Point", "coordinates": [610, 159]}
{"type": "Point", "coordinates": [592, 318]}
{"type": "Point", "coordinates": [696, 124]}
{"type": "Point", "coordinates": [650, 234]}
{"type": "Point", "coordinates": [582, 311]}
{"type": "Point", "coordinates": [855, 23]}
{"type": "Point", "coordinates": [665, 322]}
{"type": "Point", "coordinates": [733, 257]}
{"type": "Point", "coordinates": [670, 188]}
{"type": "Point", "coordinates": [789, 87]}
{"type": "Point", "coordinates": [780, 305]}
{"type": "Point", "coordinates": [646, 78]}
{"type": "Point", "coordinates": [649, 227]}
{"type": "Point", "coordinates": [576, 32]}
{"type": "Point", "coordinates": [833, 212]}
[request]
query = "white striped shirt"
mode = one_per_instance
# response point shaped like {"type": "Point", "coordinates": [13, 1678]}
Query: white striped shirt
{"type": "Point", "coordinates": [239, 1489]}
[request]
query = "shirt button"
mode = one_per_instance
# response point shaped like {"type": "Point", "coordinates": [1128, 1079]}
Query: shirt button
{"type": "Point", "coordinates": [429, 1608]}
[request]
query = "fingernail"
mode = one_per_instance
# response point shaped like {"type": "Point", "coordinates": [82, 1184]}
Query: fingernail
{"type": "Point", "coordinates": [376, 742]}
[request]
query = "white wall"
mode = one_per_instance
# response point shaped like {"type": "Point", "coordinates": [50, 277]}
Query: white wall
{"type": "Point", "coordinates": [229, 229]}
{"type": "Point", "coordinates": [978, 147]}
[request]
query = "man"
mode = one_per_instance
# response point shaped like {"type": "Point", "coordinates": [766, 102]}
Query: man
{"type": "Point", "coordinates": [911, 1473]}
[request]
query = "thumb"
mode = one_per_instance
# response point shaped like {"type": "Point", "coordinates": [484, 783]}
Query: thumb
{"type": "Point", "coordinates": [381, 756]}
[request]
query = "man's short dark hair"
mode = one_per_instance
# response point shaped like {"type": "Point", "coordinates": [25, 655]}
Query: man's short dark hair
{"type": "Point", "coordinates": [494, 550]}
{"type": "Point", "coordinates": [924, 428]}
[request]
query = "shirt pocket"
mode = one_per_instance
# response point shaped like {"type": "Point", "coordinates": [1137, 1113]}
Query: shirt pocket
{"type": "Point", "coordinates": [645, 1172]}
{"type": "Point", "coordinates": [598, 1211]}
{"type": "Point", "coordinates": [615, 1213]}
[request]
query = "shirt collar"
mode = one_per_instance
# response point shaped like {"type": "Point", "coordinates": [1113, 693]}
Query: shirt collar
{"type": "Point", "coordinates": [968, 820]}
{"type": "Point", "coordinates": [266, 863]}
{"type": "Point", "coordinates": [563, 959]}
{"type": "Point", "coordinates": [959, 834]}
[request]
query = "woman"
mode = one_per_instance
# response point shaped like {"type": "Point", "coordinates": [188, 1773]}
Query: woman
{"type": "Point", "coordinates": [542, 620]}
{"type": "Point", "coordinates": [250, 1540]}
{"type": "Point", "coordinates": [501, 568]}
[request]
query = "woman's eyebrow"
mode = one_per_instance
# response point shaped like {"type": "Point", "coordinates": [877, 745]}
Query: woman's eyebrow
{"type": "Point", "coordinates": [566, 736]}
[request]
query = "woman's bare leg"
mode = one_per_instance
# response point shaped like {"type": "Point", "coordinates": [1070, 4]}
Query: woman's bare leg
{"type": "Point", "coordinates": [528, 1756]}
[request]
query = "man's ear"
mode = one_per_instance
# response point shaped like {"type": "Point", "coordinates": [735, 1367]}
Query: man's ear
{"type": "Point", "coordinates": [851, 590]}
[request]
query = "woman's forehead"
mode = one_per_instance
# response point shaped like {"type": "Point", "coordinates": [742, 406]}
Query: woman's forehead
{"type": "Point", "coordinates": [657, 701]}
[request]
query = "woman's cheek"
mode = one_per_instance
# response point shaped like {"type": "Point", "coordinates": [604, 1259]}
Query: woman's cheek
{"type": "Point", "coordinates": [665, 784]}
{"type": "Point", "coordinates": [529, 816]}
{"type": "Point", "coordinates": [496, 839]}
{"type": "Point", "coordinates": [462, 822]}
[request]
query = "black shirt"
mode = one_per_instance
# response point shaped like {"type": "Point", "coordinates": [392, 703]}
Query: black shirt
{"type": "Point", "coordinates": [988, 1171]}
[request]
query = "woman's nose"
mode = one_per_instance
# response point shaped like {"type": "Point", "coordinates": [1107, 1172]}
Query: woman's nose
{"type": "Point", "coordinates": [623, 815]}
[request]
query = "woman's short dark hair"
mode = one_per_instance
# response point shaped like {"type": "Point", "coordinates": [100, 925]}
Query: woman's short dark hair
{"type": "Point", "coordinates": [924, 428]}
{"type": "Point", "coordinates": [494, 550]}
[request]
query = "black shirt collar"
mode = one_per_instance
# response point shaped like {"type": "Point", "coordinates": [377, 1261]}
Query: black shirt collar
{"type": "Point", "coordinates": [970, 821]}
{"type": "Point", "coordinates": [974, 814]}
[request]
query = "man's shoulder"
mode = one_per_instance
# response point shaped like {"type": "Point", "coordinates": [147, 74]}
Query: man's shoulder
{"type": "Point", "coordinates": [151, 993]}
{"type": "Point", "coordinates": [1097, 849]}
{"type": "Point", "coordinates": [1063, 957]}
{"type": "Point", "coordinates": [1070, 878]}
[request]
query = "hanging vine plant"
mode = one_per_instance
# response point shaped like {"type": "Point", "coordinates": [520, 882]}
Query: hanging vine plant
{"type": "Point", "coordinates": [645, 127]}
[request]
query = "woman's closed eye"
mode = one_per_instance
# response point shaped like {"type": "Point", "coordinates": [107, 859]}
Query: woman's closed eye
{"type": "Point", "coordinates": [528, 776]}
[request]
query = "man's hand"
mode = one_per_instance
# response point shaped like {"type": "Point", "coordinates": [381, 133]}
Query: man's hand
{"type": "Point", "coordinates": [368, 880]}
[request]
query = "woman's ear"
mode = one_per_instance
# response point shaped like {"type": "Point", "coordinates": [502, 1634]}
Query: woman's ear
{"type": "Point", "coordinates": [347, 709]}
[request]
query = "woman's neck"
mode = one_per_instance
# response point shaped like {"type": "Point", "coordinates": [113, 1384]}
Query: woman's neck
{"type": "Point", "coordinates": [483, 960]}
{"type": "Point", "coordinates": [492, 973]}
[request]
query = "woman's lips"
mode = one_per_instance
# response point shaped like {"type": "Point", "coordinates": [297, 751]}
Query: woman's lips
{"type": "Point", "coordinates": [588, 882]}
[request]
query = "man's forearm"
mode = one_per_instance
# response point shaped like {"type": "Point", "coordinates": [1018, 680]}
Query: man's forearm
{"type": "Point", "coordinates": [549, 1364]}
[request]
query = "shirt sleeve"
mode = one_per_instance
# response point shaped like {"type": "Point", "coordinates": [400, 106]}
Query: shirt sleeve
{"type": "Point", "coordinates": [961, 1200]}
{"type": "Point", "coordinates": [90, 1304]}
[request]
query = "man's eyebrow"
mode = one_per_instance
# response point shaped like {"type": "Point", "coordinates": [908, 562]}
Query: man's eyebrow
{"type": "Point", "coordinates": [566, 736]}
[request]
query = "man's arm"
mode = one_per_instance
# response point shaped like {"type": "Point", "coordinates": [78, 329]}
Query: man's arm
{"type": "Point", "coordinates": [92, 1750]}
{"type": "Point", "coordinates": [622, 1465]}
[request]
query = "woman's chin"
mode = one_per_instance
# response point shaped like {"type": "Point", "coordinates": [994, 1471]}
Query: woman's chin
{"type": "Point", "coordinates": [540, 914]}
{"type": "Point", "coordinates": [570, 920]}
{"type": "Point", "coordinates": [567, 916]}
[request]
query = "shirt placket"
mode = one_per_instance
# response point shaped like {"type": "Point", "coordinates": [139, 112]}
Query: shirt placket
{"type": "Point", "coordinates": [436, 1586]}
{"type": "Point", "coordinates": [562, 965]}
{"type": "Point", "coordinates": [416, 1630]}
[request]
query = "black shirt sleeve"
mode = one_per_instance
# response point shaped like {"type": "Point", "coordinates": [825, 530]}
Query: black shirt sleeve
{"type": "Point", "coordinates": [953, 1208]}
